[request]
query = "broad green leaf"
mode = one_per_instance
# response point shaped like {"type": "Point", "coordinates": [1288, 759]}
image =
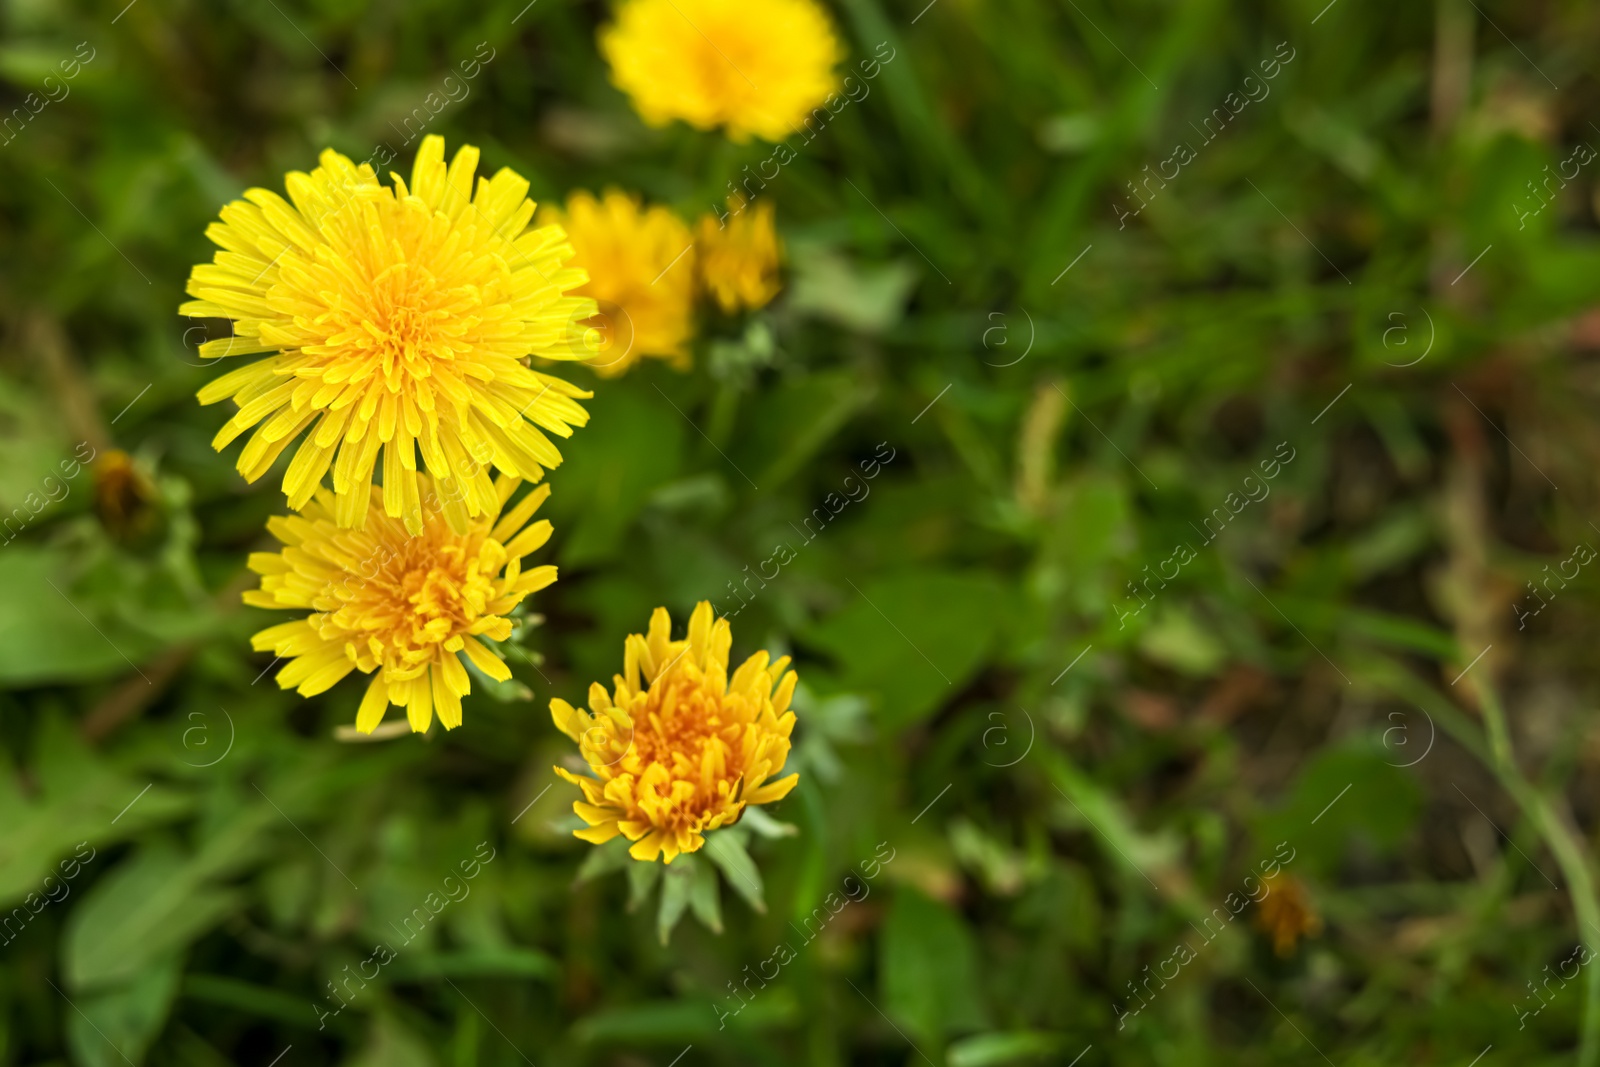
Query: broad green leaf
{"type": "Point", "coordinates": [865, 298]}
{"type": "Point", "coordinates": [1177, 639]}
{"type": "Point", "coordinates": [1354, 791]}
{"type": "Point", "coordinates": [52, 632]}
{"type": "Point", "coordinates": [632, 446]}
{"type": "Point", "coordinates": [914, 639]}
{"type": "Point", "coordinates": [145, 909]}
{"type": "Point", "coordinates": [114, 1025]}
{"type": "Point", "coordinates": [929, 968]}
{"type": "Point", "coordinates": [79, 805]}
{"type": "Point", "coordinates": [787, 427]}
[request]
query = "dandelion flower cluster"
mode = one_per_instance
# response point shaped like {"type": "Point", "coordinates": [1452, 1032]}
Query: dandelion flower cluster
{"type": "Point", "coordinates": [753, 67]}
{"type": "Point", "coordinates": [399, 606]}
{"type": "Point", "coordinates": [640, 263]}
{"type": "Point", "coordinates": [397, 318]}
{"type": "Point", "coordinates": [739, 259]}
{"type": "Point", "coordinates": [679, 749]}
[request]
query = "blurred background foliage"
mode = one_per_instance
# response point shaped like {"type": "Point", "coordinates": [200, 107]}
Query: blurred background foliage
{"type": "Point", "coordinates": [1367, 282]}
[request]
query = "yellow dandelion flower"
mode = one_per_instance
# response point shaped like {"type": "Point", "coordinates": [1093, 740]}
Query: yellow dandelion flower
{"type": "Point", "coordinates": [739, 260]}
{"type": "Point", "coordinates": [401, 607]}
{"type": "Point", "coordinates": [679, 749]}
{"type": "Point", "coordinates": [1286, 913]}
{"type": "Point", "coordinates": [397, 318]}
{"type": "Point", "coordinates": [751, 66]}
{"type": "Point", "coordinates": [640, 263]}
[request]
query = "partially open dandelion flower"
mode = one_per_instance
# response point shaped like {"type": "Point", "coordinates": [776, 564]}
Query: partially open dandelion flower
{"type": "Point", "coordinates": [739, 259]}
{"type": "Point", "coordinates": [640, 263]}
{"type": "Point", "coordinates": [750, 66]}
{"type": "Point", "coordinates": [398, 317]}
{"type": "Point", "coordinates": [679, 749]}
{"type": "Point", "coordinates": [1286, 913]}
{"type": "Point", "coordinates": [126, 499]}
{"type": "Point", "coordinates": [397, 606]}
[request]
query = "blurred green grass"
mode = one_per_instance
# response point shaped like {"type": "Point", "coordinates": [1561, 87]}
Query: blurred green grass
{"type": "Point", "coordinates": [1069, 789]}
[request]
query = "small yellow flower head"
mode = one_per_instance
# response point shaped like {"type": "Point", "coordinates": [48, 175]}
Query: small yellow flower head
{"type": "Point", "coordinates": [395, 605]}
{"type": "Point", "coordinates": [739, 259]}
{"type": "Point", "coordinates": [125, 499]}
{"type": "Point", "coordinates": [685, 751]}
{"type": "Point", "coordinates": [1286, 913]}
{"type": "Point", "coordinates": [397, 318]}
{"type": "Point", "coordinates": [751, 66]}
{"type": "Point", "coordinates": [640, 263]}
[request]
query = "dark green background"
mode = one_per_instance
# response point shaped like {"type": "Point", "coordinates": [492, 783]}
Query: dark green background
{"type": "Point", "coordinates": [1304, 279]}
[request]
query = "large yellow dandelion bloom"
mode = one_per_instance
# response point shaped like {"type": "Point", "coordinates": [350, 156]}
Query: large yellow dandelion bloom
{"type": "Point", "coordinates": [398, 606]}
{"type": "Point", "coordinates": [640, 263]}
{"type": "Point", "coordinates": [739, 259]}
{"type": "Point", "coordinates": [751, 66]}
{"type": "Point", "coordinates": [398, 318]}
{"type": "Point", "coordinates": [679, 749]}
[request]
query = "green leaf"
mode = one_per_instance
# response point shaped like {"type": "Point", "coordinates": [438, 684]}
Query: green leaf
{"type": "Point", "coordinates": [1355, 791]}
{"type": "Point", "coordinates": [915, 638]}
{"type": "Point", "coordinates": [788, 426]}
{"type": "Point", "coordinates": [252, 999]}
{"type": "Point", "coordinates": [500, 962]}
{"type": "Point", "coordinates": [603, 859]}
{"type": "Point", "coordinates": [605, 483]}
{"type": "Point", "coordinates": [676, 884]}
{"type": "Point", "coordinates": [50, 632]}
{"type": "Point", "coordinates": [865, 298]}
{"type": "Point", "coordinates": [641, 880]}
{"type": "Point", "coordinates": [704, 896]}
{"type": "Point", "coordinates": [80, 803]}
{"type": "Point", "coordinates": [114, 1025]}
{"type": "Point", "coordinates": [929, 968]}
{"type": "Point", "coordinates": [392, 1045]}
{"type": "Point", "coordinates": [726, 849]}
{"type": "Point", "coordinates": [992, 1050]}
{"type": "Point", "coordinates": [1177, 639]}
{"type": "Point", "coordinates": [145, 909]}
{"type": "Point", "coordinates": [764, 825]}
{"type": "Point", "coordinates": [677, 1021]}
